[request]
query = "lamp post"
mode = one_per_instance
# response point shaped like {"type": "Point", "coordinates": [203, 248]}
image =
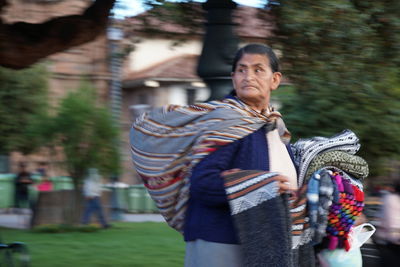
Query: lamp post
{"type": "Point", "coordinates": [115, 36]}
{"type": "Point", "coordinates": [219, 46]}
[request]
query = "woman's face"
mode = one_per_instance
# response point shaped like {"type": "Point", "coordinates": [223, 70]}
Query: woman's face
{"type": "Point", "coordinates": [253, 80]}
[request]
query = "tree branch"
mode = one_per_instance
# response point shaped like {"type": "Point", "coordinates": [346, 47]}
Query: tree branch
{"type": "Point", "coordinates": [22, 44]}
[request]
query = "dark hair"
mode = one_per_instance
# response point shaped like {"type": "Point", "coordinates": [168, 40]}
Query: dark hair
{"type": "Point", "coordinates": [258, 49]}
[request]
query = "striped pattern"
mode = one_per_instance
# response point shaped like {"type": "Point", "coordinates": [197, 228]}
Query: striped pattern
{"type": "Point", "coordinates": [305, 150]}
{"type": "Point", "coordinates": [168, 142]}
{"type": "Point", "coordinates": [301, 232]}
{"type": "Point", "coordinates": [248, 189]}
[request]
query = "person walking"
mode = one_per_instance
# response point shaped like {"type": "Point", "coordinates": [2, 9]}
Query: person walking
{"type": "Point", "coordinates": [92, 194]}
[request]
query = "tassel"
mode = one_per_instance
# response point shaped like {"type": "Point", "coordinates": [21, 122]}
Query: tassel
{"type": "Point", "coordinates": [347, 244]}
{"type": "Point", "coordinates": [333, 242]}
{"type": "Point", "coordinates": [359, 195]}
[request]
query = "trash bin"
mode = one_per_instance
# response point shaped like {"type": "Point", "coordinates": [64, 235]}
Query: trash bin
{"type": "Point", "coordinates": [136, 198]}
{"type": "Point", "coordinates": [119, 195]}
{"type": "Point", "coordinates": [122, 197]}
{"type": "Point", "coordinates": [62, 183]}
{"type": "Point", "coordinates": [7, 190]}
{"type": "Point", "coordinates": [149, 204]}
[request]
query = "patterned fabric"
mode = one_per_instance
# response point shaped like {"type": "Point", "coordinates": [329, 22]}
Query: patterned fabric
{"type": "Point", "coordinates": [319, 197]}
{"type": "Point", "coordinates": [343, 213]}
{"type": "Point", "coordinates": [247, 189]}
{"type": "Point", "coordinates": [353, 181]}
{"type": "Point", "coordinates": [325, 201]}
{"type": "Point", "coordinates": [269, 225]}
{"type": "Point", "coordinates": [313, 198]}
{"type": "Point", "coordinates": [305, 150]}
{"type": "Point", "coordinates": [168, 142]}
{"type": "Point", "coordinates": [301, 232]}
{"type": "Point", "coordinates": [261, 217]}
{"type": "Point", "coordinates": [351, 164]}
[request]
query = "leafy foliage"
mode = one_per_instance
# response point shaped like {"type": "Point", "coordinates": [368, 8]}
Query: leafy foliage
{"type": "Point", "coordinates": [343, 60]}
{"type": "Point", "coordinates": [86, 133]}
{"type": "Point", "coordinates": [23, 97]}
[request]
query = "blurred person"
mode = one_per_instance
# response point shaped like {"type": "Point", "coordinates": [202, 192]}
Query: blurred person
{"type": "Point", "coordinates": [389, 226]}
{"type": "Point", "coordinates": [45, 184]}
{"type": "Point", "coordinates": [23, 180]}
{"type": "Point", "coordinates": [208, 228]}
{"type": "Point", "coordinates": [42, 169]}
{"type": "Point", "coordinates": [92, 193]}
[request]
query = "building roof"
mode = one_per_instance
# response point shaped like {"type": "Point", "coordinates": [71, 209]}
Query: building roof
{"type": "Point", "coordinates": [251, 23]}
{"type": "Point", "coordinates": [181, 68]}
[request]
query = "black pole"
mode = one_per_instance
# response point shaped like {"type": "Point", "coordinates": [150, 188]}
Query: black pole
{"type": "Point", "coordinates": [219, 46]}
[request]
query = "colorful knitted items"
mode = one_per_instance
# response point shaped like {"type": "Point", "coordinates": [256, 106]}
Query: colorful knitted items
{"type": "Point", "coordinates": [353, 165]}
{"type": "Point", "coordinates": [305, 151]}
{"type": "Point", "coordinates": [325, 201]}
{"type": "Point", "coordinates": [343, 212]}
{"type": "Point", "coordinates": [313, 198]}
{"type": "Point", "coordinates": [319, 199]}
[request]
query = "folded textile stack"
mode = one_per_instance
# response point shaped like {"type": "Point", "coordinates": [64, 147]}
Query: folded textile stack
{"type": "Point", "coordinates": [333, 175]}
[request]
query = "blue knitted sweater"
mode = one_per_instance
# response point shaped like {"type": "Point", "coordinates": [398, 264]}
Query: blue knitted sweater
{"type": "Point", "coordinates": [208, 215]}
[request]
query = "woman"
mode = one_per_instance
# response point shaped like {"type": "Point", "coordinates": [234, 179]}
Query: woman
{"type": "Point", "coordinates": [209, 230]}
{"type": "Point", "coordinates": [190, 158]}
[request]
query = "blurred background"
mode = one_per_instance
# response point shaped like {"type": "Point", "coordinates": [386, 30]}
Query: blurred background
{"type": "Point", "coordinates": [75, 74]}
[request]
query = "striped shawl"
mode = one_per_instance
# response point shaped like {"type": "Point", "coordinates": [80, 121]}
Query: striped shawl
{"type": "Point", "coordinates": [168, 142]}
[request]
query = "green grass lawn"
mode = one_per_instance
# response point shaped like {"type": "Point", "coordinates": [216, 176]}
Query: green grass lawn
{"type": "Point", "coordinates": [125, 244]}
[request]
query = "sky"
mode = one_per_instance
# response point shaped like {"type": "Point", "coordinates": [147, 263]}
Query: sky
{"type": "Point", "coordinates": [134, 7]}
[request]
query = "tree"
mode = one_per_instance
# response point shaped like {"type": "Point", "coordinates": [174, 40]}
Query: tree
{"type": "Point", "coordinates": [23, 98]}
{"type": "Point", "coordinates": [22, 44]}
{"type": "Point", "coordinates": [86, 133]}
{"type": "Point", "coordinates": [343, 60]}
